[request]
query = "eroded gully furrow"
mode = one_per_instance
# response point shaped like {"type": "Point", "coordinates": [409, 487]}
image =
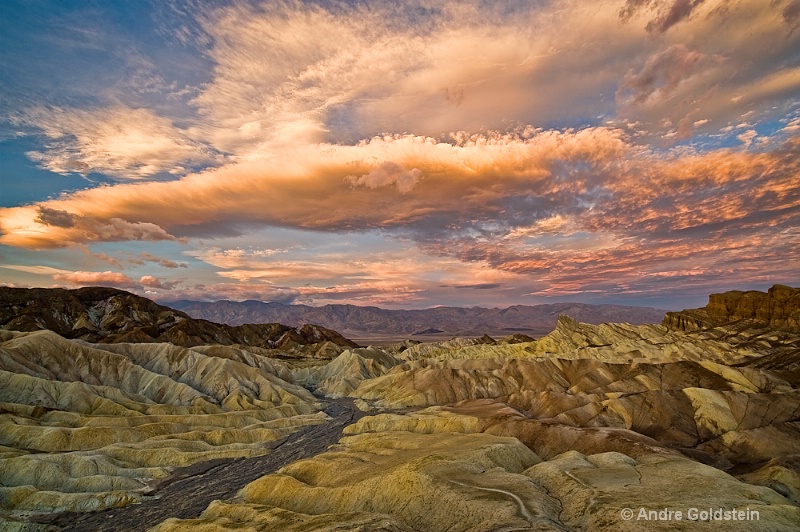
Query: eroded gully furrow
{"type": "Point", "coordinates": [190, 490]}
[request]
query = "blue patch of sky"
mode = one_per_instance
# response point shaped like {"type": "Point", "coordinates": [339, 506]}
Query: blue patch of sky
{"type": "Point", "coordinates": [10, 255]}
{"type": "Point", "coordinates": [420, 17]}
{"type": "Point", "coordinates": [23, 182]}
{"type": "Point", "coordinates": [130, 252]}
{"type": "Point", "coordinates": [85, 55]}
{"type": "Point", "coordinates": [56, 52]}
{"type": "Point", "coordinates": [89, 54]}
{"type": "Point", "coordinates": [706, 141]}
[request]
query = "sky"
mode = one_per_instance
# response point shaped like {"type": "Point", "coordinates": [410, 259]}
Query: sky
{"type": "Point", "coordinates": [401, 154]}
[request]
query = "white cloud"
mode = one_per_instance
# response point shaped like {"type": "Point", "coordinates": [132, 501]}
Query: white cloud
{"type": "Point", "coordinates": [120, 142]}
{"type": "Point", "coordinates": [747, 137]}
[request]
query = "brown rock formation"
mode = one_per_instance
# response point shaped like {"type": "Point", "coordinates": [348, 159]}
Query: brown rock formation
{"type": "Point", "coordinates": [778, 308]}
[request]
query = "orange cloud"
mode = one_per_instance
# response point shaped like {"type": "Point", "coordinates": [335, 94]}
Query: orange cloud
{"type": "Point", "coordinates": [96, 278]}
{"type": "Point", "coordinates": [314, 192]}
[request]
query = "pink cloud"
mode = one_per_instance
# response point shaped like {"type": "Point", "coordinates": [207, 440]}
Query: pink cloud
{"type": "Point", "coordinates": [660, 75]}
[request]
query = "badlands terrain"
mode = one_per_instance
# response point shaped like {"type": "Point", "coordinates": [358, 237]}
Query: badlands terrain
{"type": "Point", "coordinates": [120, 414]}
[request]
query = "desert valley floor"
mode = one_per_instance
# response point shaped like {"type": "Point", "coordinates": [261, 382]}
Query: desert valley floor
{"type": "Point", "coordinates": [120, 414]}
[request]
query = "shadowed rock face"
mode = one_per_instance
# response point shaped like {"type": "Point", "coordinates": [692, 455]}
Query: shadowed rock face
{"type": "Point", "coordinates": [107, 315]}
{"type": "Point", "coordinates": [561, 433]}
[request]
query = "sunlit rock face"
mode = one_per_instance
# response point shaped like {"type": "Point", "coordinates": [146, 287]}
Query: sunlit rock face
{"type": "Point", "coordinates": [724, 395]}
{"type": "Point", "coordinates": [737, 415]}
{"type": "Point", "coordinates": [778, 308]}
{"type": "Point", "coordinates": [561, 433]}
{"type": "Point", "coordinates": [343, 375]}
{"type": "Point", "coordinates": [439, 481]}
{"type": "Point", "coordinates": [446, 469]}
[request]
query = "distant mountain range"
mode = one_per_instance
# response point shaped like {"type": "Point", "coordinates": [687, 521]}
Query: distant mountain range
{"type": "Point", "coordinates": [371, 322]}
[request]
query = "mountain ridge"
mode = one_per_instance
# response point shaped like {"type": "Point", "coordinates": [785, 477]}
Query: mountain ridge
{"type": "Point", "coordinates": [110, 315]}
{"type": "Point", "coordinates": [354, 321]}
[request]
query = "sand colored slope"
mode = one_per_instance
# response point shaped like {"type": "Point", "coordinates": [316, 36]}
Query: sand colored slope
{"type": "Point", "coordinates": [436, 470]}
{"type": "Point", "coordinates": [85, 426]}
{"type": "Point", "coordinates": [561, 433]}
{"type": "Point", "coordinates": [342, 375]}
{"type": "Point", "coordinates": [736, 414]}
{"type": "Point", "coordinates": [727, 343]}
{"type": "Point", "coordinates": [595, 490]}
{"type": "Point", "coordinates": [430, 382]}
{"type": "Point", "coordinates": [409, 478]}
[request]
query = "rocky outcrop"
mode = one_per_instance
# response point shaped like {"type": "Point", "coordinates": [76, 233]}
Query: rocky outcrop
{"type": "Point", "coordinates": [91, 313]}
{"type": "Point", "coordinates": [108, 315]}
{"type": "Point", "coordinates": [341, 376]}
{"type": "Point", "coordinates": [725, 396]}
{"type": "Point", "coordinates": [408, 480]}
{"type": "Point", "coordinates": [778, 308]}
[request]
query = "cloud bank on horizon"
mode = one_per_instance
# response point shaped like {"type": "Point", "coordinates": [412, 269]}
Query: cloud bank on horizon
{"type": "Point", "coordinates": [403, 154]}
